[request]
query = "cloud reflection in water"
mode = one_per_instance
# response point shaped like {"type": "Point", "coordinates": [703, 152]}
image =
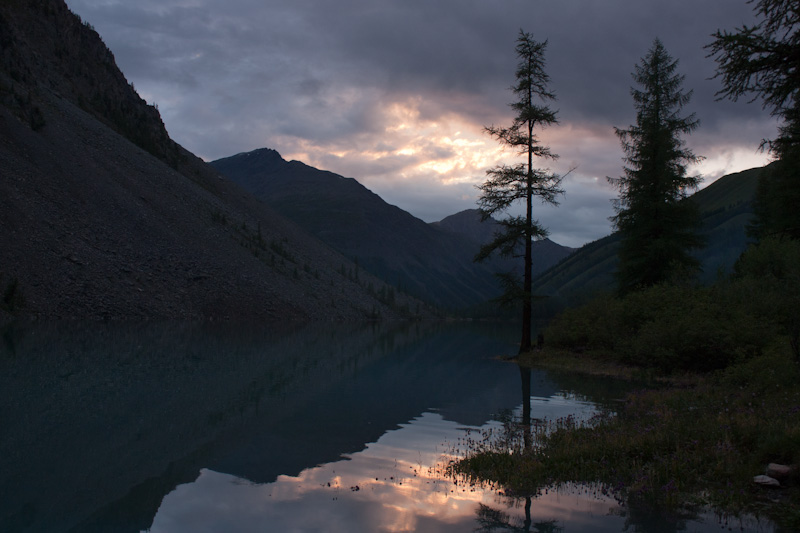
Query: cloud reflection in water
{"type": "Point", "coordinates": [395, 484]}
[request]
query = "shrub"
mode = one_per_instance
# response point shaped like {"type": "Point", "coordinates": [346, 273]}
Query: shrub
{"type": "Point", "coordinates": [673, 328]}
{"type": "Point", "coordinates": [774, 258]}
{"type": "Point", "coordinates": [693, 330]}
{"type": "Point", "coordinates": [592, 326]}
{"type": "Point", "coordinates": [768, 275]}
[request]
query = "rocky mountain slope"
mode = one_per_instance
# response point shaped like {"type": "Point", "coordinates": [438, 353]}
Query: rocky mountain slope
{"type": "Point", "coordinates": [104, 216]}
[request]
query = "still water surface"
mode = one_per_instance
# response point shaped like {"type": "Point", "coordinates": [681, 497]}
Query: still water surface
{"type": "Point", "coordinates": [320, 427]}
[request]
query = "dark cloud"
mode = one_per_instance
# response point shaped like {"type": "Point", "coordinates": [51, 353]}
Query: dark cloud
{"type": "Point", "coordinates": [374, 89]}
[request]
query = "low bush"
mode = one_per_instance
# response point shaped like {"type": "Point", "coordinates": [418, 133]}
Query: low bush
{"type": "Point", "coordinates": [677, 328]}
{"type": "Point", "coordinates": [669, 328]}
{"type": "Point", "coordinates": [768, 275]}
{"type": "Point", "coordinates": [593, 326]}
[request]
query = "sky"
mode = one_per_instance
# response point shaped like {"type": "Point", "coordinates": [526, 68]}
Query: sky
{"type": "Point", "coordinates": [397, 93]}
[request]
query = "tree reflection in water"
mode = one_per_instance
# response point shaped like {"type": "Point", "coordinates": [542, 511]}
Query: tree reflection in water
{"type": "Point", "coordinates": [490, 519]}
{"type": "Point", "coordinates": [519, 434]}
{"type": "Point", "coordinates": [493, 520]}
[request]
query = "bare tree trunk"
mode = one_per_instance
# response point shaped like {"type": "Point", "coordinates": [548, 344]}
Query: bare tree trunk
{"type": "Point", "coordinates": [525, 343]}
{"type": "Point", "coordinates": [527, 438]}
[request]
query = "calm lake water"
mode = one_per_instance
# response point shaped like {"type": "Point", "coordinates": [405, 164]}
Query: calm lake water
{"type": "Point", "coordinates": [318, 427]}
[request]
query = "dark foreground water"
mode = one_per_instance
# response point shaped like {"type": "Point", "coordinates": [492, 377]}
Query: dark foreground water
{"type": "Point", "coordinates": [322, 427]}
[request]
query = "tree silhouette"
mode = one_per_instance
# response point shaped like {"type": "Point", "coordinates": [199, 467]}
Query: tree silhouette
{"type": "Point", "coordinates": [490, 519]}
{"type": "Point", "coordinates": [521, 182]}
{"type": "Point", "coordinates": [658, 228]}
{"type": "Point", "coordinates": [763, 62]}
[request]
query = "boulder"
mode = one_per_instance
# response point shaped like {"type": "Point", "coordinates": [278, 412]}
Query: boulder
{"type": "Point", "coordinates": [766, 481]}
{"type": "Point", "coordinates": [779, 472]}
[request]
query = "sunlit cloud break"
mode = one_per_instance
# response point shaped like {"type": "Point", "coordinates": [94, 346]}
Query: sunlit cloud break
{"type": "Point", "coordinates": [396, 95]}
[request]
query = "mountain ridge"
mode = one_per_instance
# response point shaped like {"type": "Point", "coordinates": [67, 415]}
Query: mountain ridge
{"type": "Point", "coordinates": [468, 222]}
{"type": "Point", "coordinates": [427, 260]}
{"type": "Point", "coordinates": [725, 211]}
{"type": "Point", "coordinates": [105, 217]}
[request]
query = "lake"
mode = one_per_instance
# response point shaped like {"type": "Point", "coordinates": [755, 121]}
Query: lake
{"type": "Point", "coordinates": [294, 427]}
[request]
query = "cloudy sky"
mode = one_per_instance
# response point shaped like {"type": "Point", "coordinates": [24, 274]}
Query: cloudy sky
{"type": "Point", "coordinates": [396, 93]}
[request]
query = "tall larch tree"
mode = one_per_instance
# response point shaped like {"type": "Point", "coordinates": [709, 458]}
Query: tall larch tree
{"type": "Point", "coordinates": [658, 228]}
{"type": "Point", "coordinates": [522, 182]}
{"type": "Point", "coordinates": [763, 62]}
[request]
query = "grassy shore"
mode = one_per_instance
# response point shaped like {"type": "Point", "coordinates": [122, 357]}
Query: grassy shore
{"type": "Point", "coordinates": [697, 441]}
{"type": "Point", "coordinates": [723, 362]}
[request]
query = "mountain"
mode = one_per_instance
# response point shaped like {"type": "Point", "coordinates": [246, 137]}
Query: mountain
{"type": "Point", "coordinates": [725, 209]}
{"type": "Point", "coordinates": [421, 259]}
{"type": "Point", "coordinates": [467, 223]}
{"type": "Point", "coordinates": [103, 216]}
{"type": "Point", "coordinates": [431, 261]}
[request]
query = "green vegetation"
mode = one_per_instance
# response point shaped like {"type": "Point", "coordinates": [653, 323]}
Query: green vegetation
{"type": "Point", "coordinates": [730, 352]}
{"type": "Point", "coordinates": [658, 229]}
{"type": "Point", "coordinates": [280, 248]}
{"type": "Point", "coordinates": [509, 184]}
{"type": "Point", "coordinates": [678, 328]}
{"type": "Point", "coordinates": [725, 209]}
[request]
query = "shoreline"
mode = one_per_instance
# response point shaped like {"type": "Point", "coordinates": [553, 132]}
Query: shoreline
{"type": "Point", "coordinates": [682, 442]}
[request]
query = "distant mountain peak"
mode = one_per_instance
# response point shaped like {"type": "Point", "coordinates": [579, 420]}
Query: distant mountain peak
{"type": "Point", "coordinates": [468, 223]}
{"type": "Point", "coordinates": [262, 152]}
{"type": "Point", "coordinates": [465, 215]}
{"type": "Point", "coordinates": [262, 155]}
{"type": "Point", "coordinates": [261, 160]}
{"type": "Point", "coordinates": [473, 213]}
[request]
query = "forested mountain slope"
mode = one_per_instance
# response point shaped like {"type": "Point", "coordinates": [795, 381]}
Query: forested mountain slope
{"type": "Point", "coordinates": [725, 209]}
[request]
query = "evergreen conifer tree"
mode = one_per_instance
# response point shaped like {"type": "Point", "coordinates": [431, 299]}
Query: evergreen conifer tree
{"type": "Point", "coordinates": [763, 61]}
{"type": "Point", "coordinates": [658, 227]}
{"type": "Point", "coordinates": [508, 184]}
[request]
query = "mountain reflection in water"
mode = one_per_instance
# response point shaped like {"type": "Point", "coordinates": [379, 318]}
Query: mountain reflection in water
{"type": "Point", "coordinates": [315, 427]}
{"type": "Point", "coordinates": [396, 484]}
